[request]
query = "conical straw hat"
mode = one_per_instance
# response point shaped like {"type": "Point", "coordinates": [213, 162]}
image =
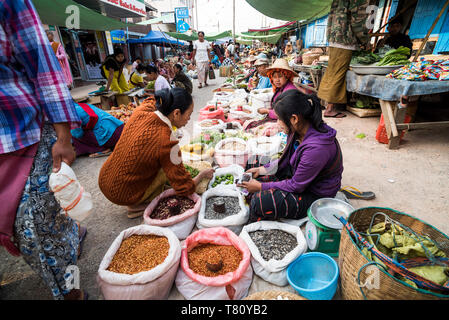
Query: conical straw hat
{"type": "Point", "coordinates": [283, 65]}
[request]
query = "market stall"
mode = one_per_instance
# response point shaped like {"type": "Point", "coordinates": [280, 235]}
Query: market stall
{"type": "Point", "coordinates": [395, 95]}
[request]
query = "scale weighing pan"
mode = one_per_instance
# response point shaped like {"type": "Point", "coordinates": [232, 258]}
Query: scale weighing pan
{"type": "Point", "coordinates": [323, 211]}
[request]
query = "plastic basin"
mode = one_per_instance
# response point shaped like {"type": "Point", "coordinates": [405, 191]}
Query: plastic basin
{"type": "Point", "coordinates": [314, 276]}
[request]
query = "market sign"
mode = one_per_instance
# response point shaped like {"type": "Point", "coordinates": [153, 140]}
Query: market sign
{"type": "Point", "coordinates": [118, 36]}
{"type": "Point", "coordinates": [131, 5]}
{"type": "Point", "coordinates": [182, 26]}
{"type": "Point", "coordinates": [182, 13]}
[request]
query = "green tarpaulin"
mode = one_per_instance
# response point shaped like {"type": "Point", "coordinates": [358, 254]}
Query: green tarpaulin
{"type": "Point", "coordinates": [54, 13]}
{"type": "Point", "coordinates": [192, 36]}
{"type": "Point", "coordinates": [271, 38]}
{"type": "Point", "coordinates": [291, 10]}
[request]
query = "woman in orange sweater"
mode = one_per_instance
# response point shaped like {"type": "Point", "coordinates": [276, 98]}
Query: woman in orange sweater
{"type": "Point", "coordinates": [148, 155]}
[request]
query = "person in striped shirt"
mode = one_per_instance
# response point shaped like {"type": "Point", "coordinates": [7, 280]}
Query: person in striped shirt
{"type": "Point", "coordinates": [36, 115]}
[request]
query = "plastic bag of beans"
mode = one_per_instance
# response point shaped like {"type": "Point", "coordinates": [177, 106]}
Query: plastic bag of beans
{"type": "Point", "coordinates": [229, 286]}
{"type": "Point", "coordinates": [181, 224]}
{"type": "Point", "coordinates": [273, 270]}
{"type": "Point", "coordinates": [154, 284]}
{"type": "Point", "coordinates": [236, 212]}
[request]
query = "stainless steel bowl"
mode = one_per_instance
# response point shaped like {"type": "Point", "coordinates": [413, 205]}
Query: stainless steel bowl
{"type": "Point", "coordinates": [323, 211]}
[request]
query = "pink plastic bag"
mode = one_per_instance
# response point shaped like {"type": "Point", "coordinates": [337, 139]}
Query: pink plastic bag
{"type": "Point", "coordinates": [205, 113]}
{"type": "Point", "coordinates": [181, 224]}
{"type": "Point", "coordinates": [219, 236]}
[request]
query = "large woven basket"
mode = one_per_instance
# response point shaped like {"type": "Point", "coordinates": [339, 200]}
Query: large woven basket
{"type": "Point", "coordinates": [273, 295]}
{"type": "Point", "coordinates": [351, 260]}
{"type": "Point", "coordinates": [309, 58]}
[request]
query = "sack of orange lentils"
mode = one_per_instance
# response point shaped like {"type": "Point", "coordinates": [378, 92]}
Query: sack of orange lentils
{"type": "Point", "coordinates": [141, 264]}
{"type": "Point", "coordinates": [215, 265]}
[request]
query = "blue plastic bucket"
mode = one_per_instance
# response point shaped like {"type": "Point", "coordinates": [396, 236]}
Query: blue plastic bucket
{"type": "Point", "coordinates": [314, 276]}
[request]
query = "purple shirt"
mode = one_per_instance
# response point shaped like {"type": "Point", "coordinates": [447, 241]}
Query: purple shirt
{"type": "Point", "coordinates": [316, 152]}
{"type": "Point", "coordinates": [288, 86]}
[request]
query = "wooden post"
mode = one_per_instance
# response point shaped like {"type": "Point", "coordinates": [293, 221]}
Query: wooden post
{"type": "Point", "coordinates": [423, 43]}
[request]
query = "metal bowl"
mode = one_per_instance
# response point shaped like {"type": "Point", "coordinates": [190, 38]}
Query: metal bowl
{"type": "Point", "coordinates": [373, 69]}
{"type": "Point", "coordinates": [323, 211]}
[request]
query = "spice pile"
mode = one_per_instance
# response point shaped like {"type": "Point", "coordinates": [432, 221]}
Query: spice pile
{"type": "Point", "coordinates": [273, 244]}
{"type": "Point", "coordinates": [139, 253]}
{"type": "Point", "coordinates": [171, 206]}
{"type": "Point", "coordinates": [226, 257]}
{"type": "Point", "coordinates": [231, 204]}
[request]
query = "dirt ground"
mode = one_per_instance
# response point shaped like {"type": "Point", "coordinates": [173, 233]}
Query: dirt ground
{"type": "Point", "coordinates": [413, 179]}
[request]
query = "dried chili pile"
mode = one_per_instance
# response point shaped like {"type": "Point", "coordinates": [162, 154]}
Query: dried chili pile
{"type": "Point", "coordinates": [172, 206]}
{"type": "Point", "coordinates": [139, 253]}
{"type": "Point", "coordinates": [207, 253]}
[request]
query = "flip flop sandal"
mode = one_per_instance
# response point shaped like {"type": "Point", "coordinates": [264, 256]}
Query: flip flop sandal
{"type": "Point", "coordinates": [100, 154]}
{"type": "Point", "coordinates": [353, 193]}
{"type": "Point", "coordinates": [337, 115]}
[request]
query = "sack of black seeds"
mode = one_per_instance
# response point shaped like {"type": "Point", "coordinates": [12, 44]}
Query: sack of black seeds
{"type": "Point", "coordinates": [223, 206]}
{"type": "Point", "coordinates": [273, 245]}
{"type": "Point", "coordinates": [176, 218]}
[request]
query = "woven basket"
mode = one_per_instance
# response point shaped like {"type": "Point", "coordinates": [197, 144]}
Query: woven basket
{"type": "Point", "coordinates": [351, 259]}
{"type": "Point", "coordinates": [308, 59]}
{"type": "Point", "coordinates": [272, 295]}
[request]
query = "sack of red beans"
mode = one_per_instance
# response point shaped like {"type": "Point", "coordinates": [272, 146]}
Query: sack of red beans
{"type": "Point", "coordinates": [176, 213]}
{"type": "Point", "coordinates": [215, 265]}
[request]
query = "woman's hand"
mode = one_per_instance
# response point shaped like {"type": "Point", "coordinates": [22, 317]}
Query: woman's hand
{"type": "Point", "coordinates": [256, 172]}
{"type": "Point", "coordinates": [62, 149]}
{"type": "Point", "coordinates": [207, 174]}
{"type": "Point", "coordinates": [252, 186]}
{"type": "Point", "coordinates": [263, 111]}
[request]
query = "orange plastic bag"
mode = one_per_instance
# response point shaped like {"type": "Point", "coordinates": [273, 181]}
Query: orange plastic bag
{"type": "Point", "coordinates": [381, 132]}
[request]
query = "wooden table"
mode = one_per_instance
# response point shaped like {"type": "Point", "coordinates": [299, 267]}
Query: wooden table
{"type": "Point", "coordinates": [395, 97]}
{"type": "Point", "coordinates": [315, 73]}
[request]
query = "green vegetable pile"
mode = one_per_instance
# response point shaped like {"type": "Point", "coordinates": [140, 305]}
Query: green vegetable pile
{"type": "Point", "coordinates": [150, 84]}
{"type": "Point", "coordinates": [365, 102]}
{"type": "Point", "coordinates": [193, 171]}
{"type": "Point", "coordinates": [223, 179]}
{"type": "Point", "coordinates": [364, 57]}
{"type": "Point", "coordinates": [395, 57]}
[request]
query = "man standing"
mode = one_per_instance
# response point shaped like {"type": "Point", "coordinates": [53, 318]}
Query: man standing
{"type": "Point", "coordinates": [395, 37]}
{"type": "Point", "coordinates": [346, 32]}
{"type": "Point", "coordinates": [201, 57]}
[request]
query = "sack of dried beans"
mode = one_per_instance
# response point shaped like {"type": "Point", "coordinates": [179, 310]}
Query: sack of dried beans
{"type": "Point", "coordinates": [223, 206]}
{"type": "Point", "coordinates": [174, 212]}
{"type": "Point", "coordinates": [141, 264]}
{"type": "Point", "coordinates": [215, 265]}
{"type": "Point", "coordinates": [273, 245]}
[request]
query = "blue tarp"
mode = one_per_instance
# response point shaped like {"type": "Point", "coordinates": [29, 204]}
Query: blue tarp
{"type": "Point", "coordinates": [387, 89]}
{"type": "Point", "coordinates": [157, 37]}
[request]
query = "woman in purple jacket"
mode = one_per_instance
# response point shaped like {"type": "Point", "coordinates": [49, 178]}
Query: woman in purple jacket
{"type": "Point", "coordinates": [310, 167]}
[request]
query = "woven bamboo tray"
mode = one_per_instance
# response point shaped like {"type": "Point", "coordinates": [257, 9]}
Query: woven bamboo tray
{"type": "Point", "coordinates": [364, 113]}
{"type": "Point", "coordinates": [351, 260]}
{"type": "Point", "coordinates": [273, 295]}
